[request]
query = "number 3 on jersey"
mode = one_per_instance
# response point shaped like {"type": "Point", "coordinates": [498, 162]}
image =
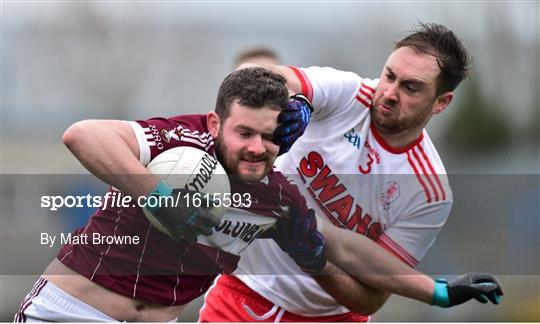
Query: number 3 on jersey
{"type": "Point", "coordinates": [367, 168]}
{"type": "Point", "coordinates": [373, 156]}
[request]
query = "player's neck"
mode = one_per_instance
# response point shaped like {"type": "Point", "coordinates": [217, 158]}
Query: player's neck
{"type": "Point", "coordinates": [401, 141]}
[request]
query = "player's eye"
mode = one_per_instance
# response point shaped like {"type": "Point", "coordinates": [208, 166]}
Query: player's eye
{"type": "Point", "coordinates": [390, 76]}
{"type": "Point", "coordinates": [411, 88]}
{"type": "Point", "coordinates": [268, 137]}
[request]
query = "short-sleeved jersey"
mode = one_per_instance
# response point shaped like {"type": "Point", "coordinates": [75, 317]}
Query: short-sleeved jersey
{"type": "Point", "coordinates": [159, 270]}
{"type": "Point", "coordinates": [348, 174]}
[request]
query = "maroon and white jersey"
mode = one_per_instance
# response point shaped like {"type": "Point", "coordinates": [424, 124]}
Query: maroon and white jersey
{"type": "Point", "coordinates": [348, 174]}
{"type": "Point", "coordinates": [159, 270]}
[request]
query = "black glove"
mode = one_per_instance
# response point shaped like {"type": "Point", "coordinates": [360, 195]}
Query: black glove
{"type": "Point", "coordinates": [481, 286]}
{"type": "Point", "coordinates": [298, 237]}
{"type": "Point", "coordinates": [292, 122]}
{"type": "Point", "coordinates": [185, 221]}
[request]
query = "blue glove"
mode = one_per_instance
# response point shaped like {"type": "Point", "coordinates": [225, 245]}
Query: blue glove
{"type": "Point", "coordinates": [481, 286]}
{"type": "Point", "coordinates": [298, 237]}
{"type": "Point", "coordinates": [292, 122]}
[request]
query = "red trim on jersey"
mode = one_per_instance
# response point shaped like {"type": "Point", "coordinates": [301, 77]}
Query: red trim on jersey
{"type": "Point", "coordinates": [434, 189]}
{"type": "Point", "coordinates": [368, 88]}
{"type": "Point", "coordinates": [387, 146]}
{"type": "Point", "coordinates": [428, 196]}
{"type": "Point", "coordinates": [433, 171]}
{"type": "Point", "coordinates": [368, 95]}
{"type": "Point", "coordinates": [307, 88]}
{"type": "Point", "coordinates": [388, 244]}
{"type": "Point", "coordinates": [362, 101]}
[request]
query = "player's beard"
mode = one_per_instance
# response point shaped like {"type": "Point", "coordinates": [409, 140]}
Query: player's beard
{"type": "Point", "coordinates": [231, 163]}
{"type": "Point", "coordinates": [391, 123]}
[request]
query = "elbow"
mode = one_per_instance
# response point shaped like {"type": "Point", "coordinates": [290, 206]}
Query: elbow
{"type": "Point", "coordinates": [76, 133]}
{"type": "Point", "coordinates": [371, 304]}
{"type": "Point", "coordinates": [373, 309]}
{"type": "Point", "coordinates": [366, 309]}
{"type": "Point", "coordinates": [70, 135]}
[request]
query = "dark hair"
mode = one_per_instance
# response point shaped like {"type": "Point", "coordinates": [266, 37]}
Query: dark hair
{"type": "Point", "coordinates": [254, 87]}
{"type": "Point", "coordinates": [452, 56]}
{"type": "Point", "coordinates": [254, 53]}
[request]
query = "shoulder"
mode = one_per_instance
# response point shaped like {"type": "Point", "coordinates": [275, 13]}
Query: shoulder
{"type": "Point", "coordinates": [158, 134]}
{"type": "Point", "coordinates": [191, 123]}
{"type": "Point", "coordinates": [429, 152]}
{"type": "Point", "coordinates": [315, 77]}
{"type": "Point", "coordinates": [430, 174]}
{"type": "Point", "coordinates": [328, 75]}
{"type": "Point", "coordinates": [336, 93]}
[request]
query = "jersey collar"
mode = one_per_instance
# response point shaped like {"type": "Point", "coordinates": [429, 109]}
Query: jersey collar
{"type": "Point", "coordinates": [387, 146]}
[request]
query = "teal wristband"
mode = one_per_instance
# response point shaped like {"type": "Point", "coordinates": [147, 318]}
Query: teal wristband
{"type": "Point", "coordinates": [440, 293]}
{"type": "Point", "coordinates": [161, 190]}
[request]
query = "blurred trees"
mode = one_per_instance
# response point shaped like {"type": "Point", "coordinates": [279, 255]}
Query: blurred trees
{"type": "Point", "coordinates": [479, 124]}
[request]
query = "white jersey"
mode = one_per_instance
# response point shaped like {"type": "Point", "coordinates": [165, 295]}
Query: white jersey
{"type": "Point", "coordinates": [348, 174]}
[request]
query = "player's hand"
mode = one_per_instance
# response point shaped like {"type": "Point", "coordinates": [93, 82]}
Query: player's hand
{"type": "Point", "coordinates": [185, 221]}
{"type": "Point", "coordinates": [480, 286]}
{"type": "Point", "coordinates": [292, 122]}
{"type": "Point", "coordinates": [298, 237]}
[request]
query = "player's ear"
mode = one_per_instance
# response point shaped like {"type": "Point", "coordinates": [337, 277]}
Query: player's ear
{"type": "Point", "coordinates": [214, 123]}
{"type": "Point", "coordinates": [442, 102]}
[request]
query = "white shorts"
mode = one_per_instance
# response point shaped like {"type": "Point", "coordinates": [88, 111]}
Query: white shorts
{"type": "Point", "coordinates": [48, 303]}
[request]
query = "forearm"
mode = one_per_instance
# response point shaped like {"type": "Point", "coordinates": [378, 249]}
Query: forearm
{"type": "Point", "coordinates": [352, 294]}
{"type": "Point", "coordinates": [108, 150]}
{"type": "Point", "coordinates": [370, 264]}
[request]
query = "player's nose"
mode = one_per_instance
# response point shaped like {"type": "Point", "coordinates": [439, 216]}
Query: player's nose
{"type": "Point", "coordinates": [256, 145]}
{"type": "Point", "coordinates": [391, 92]}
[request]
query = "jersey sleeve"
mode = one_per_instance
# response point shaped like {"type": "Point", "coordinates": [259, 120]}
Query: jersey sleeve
{"type": "Point", "coordinates": [286, 192]}
{"type": "Point", "coordinates": [156, 135]}
{"type": "Point", "coordinates": [412, 235]}
{"type": "Point", "coordinates": [334, 92]}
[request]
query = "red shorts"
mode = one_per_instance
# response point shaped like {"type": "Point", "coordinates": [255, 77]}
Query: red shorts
{"type": "Point", "coordinates": [230, 300]}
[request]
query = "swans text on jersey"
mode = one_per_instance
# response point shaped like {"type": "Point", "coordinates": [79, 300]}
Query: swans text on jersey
{"type": "Point", "coordinates": [333, 197]}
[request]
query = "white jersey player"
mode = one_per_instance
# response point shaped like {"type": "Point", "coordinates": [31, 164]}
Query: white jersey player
{"type": "Point", "coordinates": [365, 163]}
{"type": "Point", "coordinates": [401, 213]}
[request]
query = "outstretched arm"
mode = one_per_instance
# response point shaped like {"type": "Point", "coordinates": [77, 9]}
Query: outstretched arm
{"type": "Point", "coordinates": [372, 265]}
{"type": "Point", "coordinates": [369, 263]}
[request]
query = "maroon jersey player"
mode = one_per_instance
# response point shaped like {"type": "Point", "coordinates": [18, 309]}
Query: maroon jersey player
{"type": "Point", "coordinates": [152, 280]}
